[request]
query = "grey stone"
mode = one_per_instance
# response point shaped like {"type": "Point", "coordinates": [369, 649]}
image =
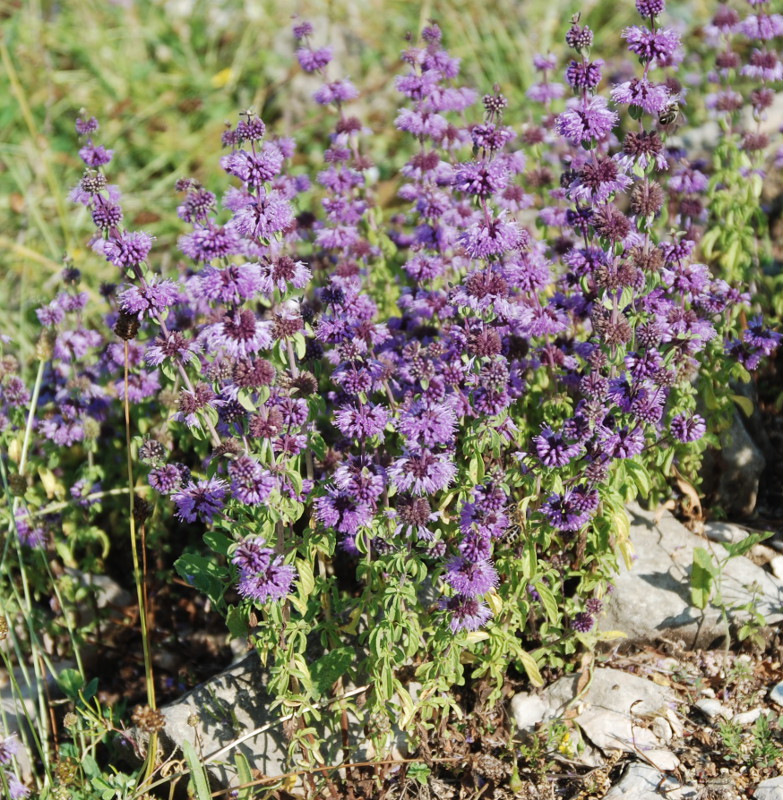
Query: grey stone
{"type": "Point", "coordinates": [724, 532]}
{"type": "Point", "coordinates": [770, 789]}
{"type": "Point", "coordinates": [613, 711]}
{"type": "Point", "coordinates": [231, 714]}
{"type": "Point", "coordinates": [776, 694]}
{"type": "Point", "coordinates": [651, 600]}
{"type": "Point", "coordinates": [227, 707]}
{"type": "Point", "coordinates": [747, 717]}
{"type": "Point", "coordinates": [643, 782]}
{"type": "Point", "coordinates": [662, 730]}
{"type": "Point", "coordinates": [528, 710]}
{"type": "Point", "coordinates": [107, 591]}
{"type": "Point", "coordinates": [712, 708]}
{"type": "Point", "coordinates": [741, 465]}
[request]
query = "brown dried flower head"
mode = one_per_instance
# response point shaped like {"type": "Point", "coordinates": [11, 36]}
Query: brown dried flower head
{"type": "Point", "coordinates": [147, 719]}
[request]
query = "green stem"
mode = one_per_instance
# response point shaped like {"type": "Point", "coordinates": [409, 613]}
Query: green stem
{"type": "Point", "coordinates": [138, 576]}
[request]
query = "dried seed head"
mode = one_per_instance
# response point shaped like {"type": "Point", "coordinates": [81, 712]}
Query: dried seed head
{"type": "Point", "coordinates": [377, 725]}
{"type": "Point", "coordinates": [647, 198]}
{"type": "Point", "coordinates": [646, 260]}
{"type": "Point", "coordinates": [229, 447]}
{"type": "Point", "coordinates": [70, 720]}
{"type": "Point", "coordinates": [141, 510]}
{"type": "Point", "coordinates": [618, 332]}
{"type": "Point", "coordinates": [147, 719]}
{"type": "Point", "coordinates": [304, 384]}
{"type": "Point", "coordinates": [66, 770]}
{"type": "Point", "coordinates": [44, 347]}
{"type": "Point", "coordinates": [92, 429]}
{"type": "Point", "coordinates": [610, 223]}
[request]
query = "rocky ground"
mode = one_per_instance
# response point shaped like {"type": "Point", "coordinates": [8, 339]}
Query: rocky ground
{"type": "Point", "coordinates": [669, 711]}
{"type": "Point", "coordinates": [687, 704]}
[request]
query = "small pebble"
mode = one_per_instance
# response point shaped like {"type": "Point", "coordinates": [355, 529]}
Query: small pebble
{"type": "Point", "coordinates": [776, 565]}
{"type": "Point", "coordinates": [528, 710]}
{"type": "Point", "coordinates": [776, 694]}
{"type": "Point", "coordinates": [662, 730]}
{"type": "Point", "coordinates": [712, 708]}
{"type": "Point", "coordinates": [747, 717]}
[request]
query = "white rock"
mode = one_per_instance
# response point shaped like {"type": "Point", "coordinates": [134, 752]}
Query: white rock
{"type": "Point", "coordinates": [771, 789]}
{"type": "Point", "coordinates": [652, 600]}
{"type": "Point", "coordinates": [724, 532]}
{"type": "Point", "coordinates": [661, 728]}
{"type": "Point", "coordinates": [776, 694]}
{"type": "Point", "coordinates": [528, 710]}
{"type": "Point", "coordinates": [747, 717]}
{"type": "Point", "coordinates": [776, 565]}
{"type": "Point", "coordinates": [643, 782]}
{"type": "Point", "coordinates": [712, 708]}
{"type": "Point", "coordinates": [661, 759]}
{"type": "Point", "coordinates": [615, 710]}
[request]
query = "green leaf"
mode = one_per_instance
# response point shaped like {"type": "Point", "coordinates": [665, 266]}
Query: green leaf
{"type": "Point", "coordinates": [219, 542]}
{"type": "Point", "coordinates": [640, 476]}
{"type": "Point", "coordinates": [745, 403]}
{"type": "Point", "coordinates": [306, 578]}
{"type": "Point", "coordinates": [703, 573]}
{"type": "Point", "coordinates": [90, 767]}
{"type": "Point", "coordinates": [738, 372]}
{"type": "Point", "coordinates": [71, 682]}
{"type": "Point", "coordinates": [419, 772]}
{"type": "Point", "coordinates": [296, 480]}
{"type": "Point", "coordinates": [531, 668]}
{"type": "Point", "coordinates": [300, 345]}
{"type": "Point", "coordinates": [90, 689]}
{"type": "Point", "coordinates": [245, 776]}
{"type": "Point", "coordinates": [476, 468]}
{"type": "Point", "coordinates": [734, 549]}
{"type": "Point", "coordinates": [203, 574]}
{"type": "Point", "coordinates": [246, 401]}
{"type": "Point", "coordinates": [548, 601]}
{"type": "Point", "coordinates": [197, 772]}
{"type": "Point", "coordinates": [327, 669]}
{"type": "Point", "coordinates": [236, 623]}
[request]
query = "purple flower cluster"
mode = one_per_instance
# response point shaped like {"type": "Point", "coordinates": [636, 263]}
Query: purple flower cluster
{"type": "Point", "coordinates": [402, 380]}
{"type": "Point", "coordinates": [262, 575]}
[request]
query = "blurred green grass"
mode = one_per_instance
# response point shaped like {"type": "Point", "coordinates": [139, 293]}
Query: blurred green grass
{"type": "Point", "coordinates": [163, 76]}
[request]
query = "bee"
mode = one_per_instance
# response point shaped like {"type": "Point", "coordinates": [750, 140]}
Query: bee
{"type": "Point", "coordinates": [670, 118]}
{"type": "Point", "coordinates": [518, 520]}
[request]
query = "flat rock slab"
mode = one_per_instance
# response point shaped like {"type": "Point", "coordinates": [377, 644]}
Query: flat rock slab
{"type": "Point", "coordinates": [771, 789]}
{"type": "Point", "coordinates": [231, 713]}
{"type": "Point", "coordinates": [614, 710]}
{"type": "Point", "coordinates": [652, 601]}
{"type": "Point", "coordinates": [643, 782]}
{"type": "Point", "coordinates": [225, 709]}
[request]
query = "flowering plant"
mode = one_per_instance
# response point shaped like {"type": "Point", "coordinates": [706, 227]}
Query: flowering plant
{"type": "Point", "coordinates": [409, 432]}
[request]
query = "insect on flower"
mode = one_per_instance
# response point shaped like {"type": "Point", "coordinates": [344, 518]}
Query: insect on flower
{"type": "Point", "coordinates": [670, 118]}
